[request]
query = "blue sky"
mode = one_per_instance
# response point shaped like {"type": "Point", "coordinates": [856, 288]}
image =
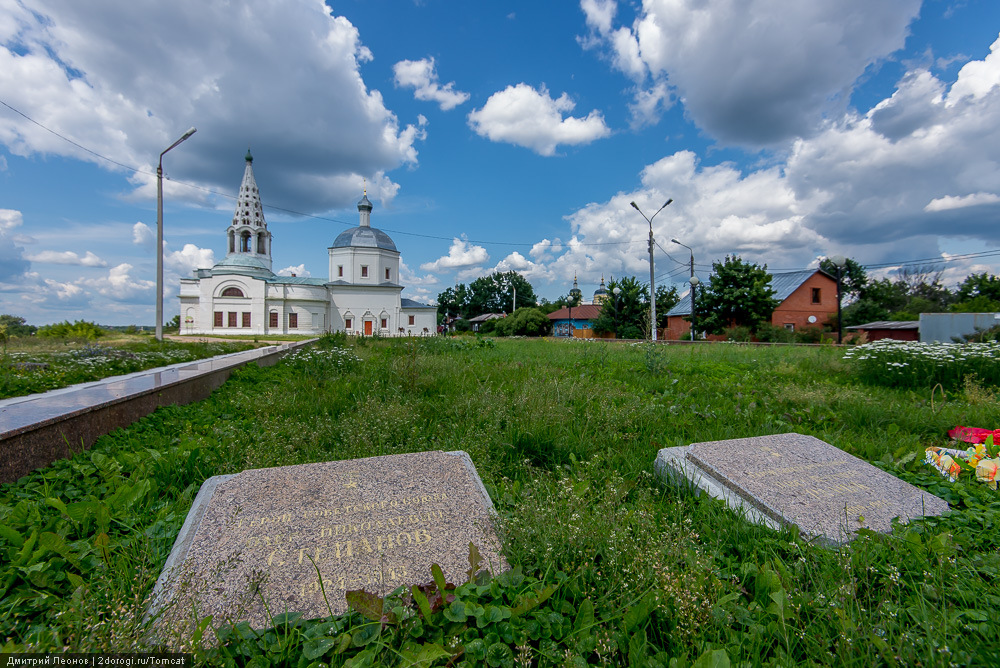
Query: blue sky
{"type": "Point", "coordinates": [492, 136]}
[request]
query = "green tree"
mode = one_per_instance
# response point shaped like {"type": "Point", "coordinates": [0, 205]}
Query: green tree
{"type": "Point", "coordinates": [738, 294]}
{"type": "Point", "coordinates": [862, 312]}
{"type": "Point", "coordinates": [977, 286]}
{"type": "Point", "coordinates": [16, 325]}
{"type": "Point", "coordinates": [453, 302]}
{"type": "Point", "coordinates": [853, 277]}
{"type": "Point", "coordinates": [666, 299]}
{"type": "Point", "coordinates": [627, 316]}
{"type": "Point", "coordinates": [494, 293]}
{"type": "Point", "coordinates": [546, 307]}
{"type": "Point", "coordinates": [924, 283]}
{"type": "Point", "coordinates": [525, 321]}
{"type": "Point", "coordinates": [978, 304]}
{"type": "Point", "coordinates": [889, 295]}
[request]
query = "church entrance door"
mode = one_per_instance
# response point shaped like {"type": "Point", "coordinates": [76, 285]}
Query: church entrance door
{"type": "Point", "coordinates": [368, 327]}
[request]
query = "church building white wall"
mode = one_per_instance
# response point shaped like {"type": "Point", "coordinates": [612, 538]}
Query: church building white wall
{"type": "Point", "coordinates": [241, 295]}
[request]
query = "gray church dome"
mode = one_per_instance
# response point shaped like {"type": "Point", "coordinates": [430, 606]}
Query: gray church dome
{"type": "Point", "coordinates": [365, 237]}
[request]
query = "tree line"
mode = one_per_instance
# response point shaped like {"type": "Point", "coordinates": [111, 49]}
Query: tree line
{"type": "Point", "coordinates": [738, 295]}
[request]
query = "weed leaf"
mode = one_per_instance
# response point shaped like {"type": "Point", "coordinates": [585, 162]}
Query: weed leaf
{"type": "Point", "coordinates": [422, 656]}
{"type": "Point", "coordinates": [439, 580]}
{"type": "Point", "coordinates": [713, 658]}
{"type": "Point", "coordinates": [317, 647]}
{"type": "Point", "coordinates": [475, 561]}
{"type": "Point", "coordinates": [584, 616]}
{"type": "Point", "coordinates": [422, 603]}
{"type": "Point", "coordinates": [368, 604]}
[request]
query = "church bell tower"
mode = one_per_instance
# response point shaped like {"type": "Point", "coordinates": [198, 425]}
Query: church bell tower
{"type": "Point", "coordinates": [247, 235]}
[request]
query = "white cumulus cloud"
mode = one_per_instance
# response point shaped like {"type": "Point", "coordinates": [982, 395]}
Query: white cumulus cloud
{"type": "Point", "coordinates": [73, 67]}
{"type": "Point", "coordinates": [745, 73]}
{"type": "Point", "coordinates": [88, 259]}
{"type": "Point", "coordinates": [461, 254]}
{"type": "Point", "coordinates": [297, 270]}
{"type": "Point", "coordinates": [189, 258]}
{"type": "Point", "coordinates": [952, 202]}
{"type": "Point", "coordinates": [422, 76]}
{"type": "Point", "coordinates": [119, 284]}
{"type": "Point", "coordinates": [13, 264]}
{"type": "Point", "coordinates": [143, 235]}
{"type": "Point", "coordinates": [530, 118]}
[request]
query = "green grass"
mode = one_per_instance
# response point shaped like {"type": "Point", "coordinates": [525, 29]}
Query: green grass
{"type": "Point", "coordinates": [75, 360]}
{"type": "Point", "coordinates": [614, 568]}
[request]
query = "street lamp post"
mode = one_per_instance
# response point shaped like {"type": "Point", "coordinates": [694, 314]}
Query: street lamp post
{"type": "Point", "coordinates": [840, 261]}
{"type": "Point", "coordinates": [159, 236]}
{"type": "Point", "coordinates": [694, 284]}
{"type": "Point", "coordinates": [652, 283]}
{"type": "Point", "coordinates": [693, 281]}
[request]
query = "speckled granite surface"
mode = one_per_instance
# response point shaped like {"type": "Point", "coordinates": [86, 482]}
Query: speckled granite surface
{"type": "Point", "coordinates": [298, 537]}
{"type": "Point", "coordinates": [797, 479]}
{"type": "Point", "coordinates": [38, 429]}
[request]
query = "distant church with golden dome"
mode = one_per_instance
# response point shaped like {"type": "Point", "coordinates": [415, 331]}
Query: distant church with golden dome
{"type": "Point", "coordinates": [601, 294]}
{"type": "Point", "coordinates": [242, 295]}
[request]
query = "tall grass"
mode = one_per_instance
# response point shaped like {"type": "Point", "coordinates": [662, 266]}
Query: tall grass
{"type": "Point", "coordinates": [913, 364]}
{"type": "Point", "coordinates": [564, 436]}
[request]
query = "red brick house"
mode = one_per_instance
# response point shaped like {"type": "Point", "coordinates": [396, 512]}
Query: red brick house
{"type": "Point", "coordinates": [808, 299]}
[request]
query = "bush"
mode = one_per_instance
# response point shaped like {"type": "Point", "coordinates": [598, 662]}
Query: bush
{"type": "Point", "coordinates": [771, 334]}
{"type": "Point", "coordinates": [525, 321]}
{"type": "Point", "coordinates": [738, 333]}
{"type": "Point", "coordinates": [80, 329]}
{"type": "Point", "coordinates": [984, 335]}
{"type": "Point", "coordinates": [809, 335]}
{"type": "Point", "coordinates": [462, 325]}
{"type": "Point", "coordinates": [629, 331]}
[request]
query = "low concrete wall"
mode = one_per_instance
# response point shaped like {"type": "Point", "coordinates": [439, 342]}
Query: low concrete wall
{"type": "Point", "coordinates": [37, 430]}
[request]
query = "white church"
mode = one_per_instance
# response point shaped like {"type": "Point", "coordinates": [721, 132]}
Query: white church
{"type": "Point", "coordinates": [241, 295]}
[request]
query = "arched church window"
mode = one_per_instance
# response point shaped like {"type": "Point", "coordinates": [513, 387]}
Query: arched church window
{"type": "Point", "coordinates": [232, 292]}
{"type": "Point", "coordinates": [261, 244]}
{"type": "Point", "coordinates": [232, 242]}
{"type": "Point", "coordinates": [245, 242]}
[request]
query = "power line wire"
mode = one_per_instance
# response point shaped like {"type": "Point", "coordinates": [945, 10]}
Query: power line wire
{"type": "Point", "coordinates": [292, 211]}
{"type": "Point", "coordinates": [930, 261]}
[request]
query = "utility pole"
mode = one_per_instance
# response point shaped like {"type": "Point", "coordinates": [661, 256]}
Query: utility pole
{"type": "Point", "coordinates": [652, 280]}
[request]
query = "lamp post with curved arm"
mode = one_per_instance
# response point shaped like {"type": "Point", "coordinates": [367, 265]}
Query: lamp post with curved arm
{"type": "Point", "coordinates": [839, 261]}
{"type": "Point", "coordinates": [694, 285]}
{"type": "Point", "coordinates": [159, 236]}
{"type": "Point", "coordinates": [652, 283]}
{"type": "Point", "coordinates": [693, 281]}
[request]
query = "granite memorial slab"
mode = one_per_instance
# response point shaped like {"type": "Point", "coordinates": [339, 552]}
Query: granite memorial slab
{"type": "Point", "coordinates": [796, 479]}
{"type": "Point", "coordinates": [296, 538]}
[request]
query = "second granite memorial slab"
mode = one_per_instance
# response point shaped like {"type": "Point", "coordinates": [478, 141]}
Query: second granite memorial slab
{"type": "Point", "coordinates": [801, 480]}
{"type": "Point", "coordinates": [297, 538]}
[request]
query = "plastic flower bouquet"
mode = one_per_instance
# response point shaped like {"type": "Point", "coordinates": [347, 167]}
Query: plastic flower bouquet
{"type": "Point", "coordinates": [982, 459]}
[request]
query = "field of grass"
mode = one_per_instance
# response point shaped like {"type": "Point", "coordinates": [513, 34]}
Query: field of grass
{"type": "Point", "coordinates": [76, 360]}
{"type": "Point", "coordinates": [611, 567]}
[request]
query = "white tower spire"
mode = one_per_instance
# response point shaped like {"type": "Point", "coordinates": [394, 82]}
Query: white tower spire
{"type": "Point", "coordinates": [248, 235]}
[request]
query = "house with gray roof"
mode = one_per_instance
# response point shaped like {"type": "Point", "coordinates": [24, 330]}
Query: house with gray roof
{"type": "Point", "coordinates": [807, 299]}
